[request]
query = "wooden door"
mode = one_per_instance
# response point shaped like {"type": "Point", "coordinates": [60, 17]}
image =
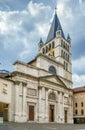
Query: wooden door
{"type": "Point", "coordinates": [51, 113]}
{"type": "Point", "coordinates": [4, 110]}
{"type": "Point", "coordinates": [65, 116]}
{"type": "Point", "coordinates": [31, 113]}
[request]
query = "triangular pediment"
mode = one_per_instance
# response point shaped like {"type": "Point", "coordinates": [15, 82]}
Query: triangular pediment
{"type": "Point", "coordinates": [54, 79]}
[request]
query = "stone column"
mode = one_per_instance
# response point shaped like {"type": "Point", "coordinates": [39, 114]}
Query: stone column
{"type": "Point", "coordinates": [17, 97]}
{"type": "Point", "coordinates": [20, 99]}
{"type": "Point", "coordinates": [16, 100]}
{"type": "Point", "coordinates": [24, 99]}
{"type": "Point", "coordinates": [59, 107]}
{"type": "Point", "coordinates": [70, 110]}
{"type": "Point", "coordinates": [43, 104]}
{"type": "Point", "coordinates": [46, 108]}
{"type": "Point", "coordinates": [40, 104]}
{"type": "Point", "coordinates": [56, 107]}
{"type": "Point", "coordinates": [63, 107]}
{"type": "Point", "coordinates": [10, 112]}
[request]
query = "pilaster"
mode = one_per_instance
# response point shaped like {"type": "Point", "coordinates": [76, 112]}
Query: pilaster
{"type": "Point", "coordinates": [60, 107]}
{"type": "Point", "coordinates": [17, 97]}
{"type": "Point", "coordinates": [24, 99]}
{"type": "Point", "coordinates": [16, 114]}
{"type": "Point", "coordinates": [46, 105]}
{"type": "Point", "coordinates": [20, 102]}
{"type": "Point", "coordinates": [40, 104]}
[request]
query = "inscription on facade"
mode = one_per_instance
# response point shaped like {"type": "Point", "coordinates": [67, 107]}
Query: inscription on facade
{"type": "Point", "coordinates": [31, 92]}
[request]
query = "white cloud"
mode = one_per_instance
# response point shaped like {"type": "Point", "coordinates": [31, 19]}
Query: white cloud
{"type": "Point", "coordinates": [36, 8]}
{"type": "Point", "coordinates": [21, 29]}
{"type": "Point", "coordinates": [78, 80]}
{"type": "Point", "coordinates": [79, 65]}
{"type": "Point", "coordinates": [42, 28]}
{"type": "Point", "coordinates": [82, 6]}
{"type": "Point", "coordinates": [66, 15]}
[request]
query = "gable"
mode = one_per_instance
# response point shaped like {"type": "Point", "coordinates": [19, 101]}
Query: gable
{"type": "Point", "coordinates": [53, 79]}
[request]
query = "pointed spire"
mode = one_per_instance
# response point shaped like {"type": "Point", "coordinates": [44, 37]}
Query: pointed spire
{"type": "Point", "coordinates": [68, 37]}
{"type": "Point", "coordinates": [41, 41]}
{"type": "Point", "coordinates": [40, 44]}
{"type": "Point", "coordinates": [54, 28]}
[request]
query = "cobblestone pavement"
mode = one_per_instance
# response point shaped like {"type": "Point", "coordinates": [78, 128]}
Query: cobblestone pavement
{"type": "Point", "coordinates": [38, 126]}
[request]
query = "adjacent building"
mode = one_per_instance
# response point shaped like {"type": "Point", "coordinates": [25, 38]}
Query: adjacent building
{"type": "Point", "coordinates": [79, 105]}
{"type": "Point", "coordinates": [6, 98]}
{"type": "Point", "coordinates": [41, 90]}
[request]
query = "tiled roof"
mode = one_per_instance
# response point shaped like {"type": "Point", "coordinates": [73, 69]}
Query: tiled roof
{"type": "Point", "coordinates": [3, 74]}
{"type": "Point", "coordinates": [79, 89]}
{"type": "Point", "coordinates": [54, 27]}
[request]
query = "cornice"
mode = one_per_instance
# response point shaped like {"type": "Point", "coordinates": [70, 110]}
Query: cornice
{"type": "Point", "coordinates": [47, 57]}
{"type": "Point", "coordinates": [20, 74]}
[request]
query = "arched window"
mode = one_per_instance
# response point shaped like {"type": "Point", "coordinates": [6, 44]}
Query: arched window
{"type": "Point", "coordinates": [49, 47]}
{"type": "Point", "coordinates": [52, 96]}
{"type": "Point", "coordinates": [62, 43]}
{"type": "Point", "coordinates": [82, 111]}
{"type": "Point", "coordinates": [64, 65]}
{"type": "Point", "coordinates": [76, 112]}
{"type": "Point", "coordinates": [66, 46]}
{"type": "Point", "coordinates": [53, 44]}
{"type": "Point", "coordinates": [52, 70]}
{"type": "Point", "coordinates": [43, 51]}
{"type": "Point", "coordinates": [68, 58]}
{"type": "Point", "coordinates": [46, 49]}
{"type": "Point", "coordinates": [64, 55]}
{"type": "Point", "coordinates": [61, 53]}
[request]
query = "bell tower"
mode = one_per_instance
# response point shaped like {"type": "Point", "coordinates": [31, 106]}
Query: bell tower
{"type": "Point", "coordinates": [57, 47]}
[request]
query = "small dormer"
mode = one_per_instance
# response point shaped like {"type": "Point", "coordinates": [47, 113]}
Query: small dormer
{"type": "Point", "coordinates": [40, 44]}
{"type": "Point", "coordinates": [58, 32]}
{"type": "Point", "coordinates": [68, 38]}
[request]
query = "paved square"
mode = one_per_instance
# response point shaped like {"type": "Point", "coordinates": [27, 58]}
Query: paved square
{"type": "Point", "coordinates": [38, 126]}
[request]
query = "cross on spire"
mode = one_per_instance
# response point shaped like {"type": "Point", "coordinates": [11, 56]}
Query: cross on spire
{"type": "Point", "coordinates": [56, 9]}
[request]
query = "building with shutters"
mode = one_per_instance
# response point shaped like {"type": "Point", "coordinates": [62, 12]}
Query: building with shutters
{"type": "Point", "coordinates": [79, 105]}
{"type": "Point", "coordinates": [42, 89]}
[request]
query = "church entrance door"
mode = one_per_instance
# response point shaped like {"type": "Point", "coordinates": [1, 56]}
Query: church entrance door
{"type": "Point", "coordinates": [4, 111]}
{"type": "Point", "coordinates": [31, 113]}
{"type": "Point", "coordinates": [65, 116]}
{"type": "Point", "coordinates": [51, 113]}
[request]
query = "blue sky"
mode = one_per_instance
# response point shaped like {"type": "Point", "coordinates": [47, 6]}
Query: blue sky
{"type": "Point", "coordinates": [23, 22]}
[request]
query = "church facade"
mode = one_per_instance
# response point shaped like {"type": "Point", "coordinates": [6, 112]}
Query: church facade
{"type": "Point", "coordinates": [42, 89]}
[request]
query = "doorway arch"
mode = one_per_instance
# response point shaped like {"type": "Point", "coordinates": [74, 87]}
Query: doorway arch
{"type": "Point", "coordinates": [52, 100]}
